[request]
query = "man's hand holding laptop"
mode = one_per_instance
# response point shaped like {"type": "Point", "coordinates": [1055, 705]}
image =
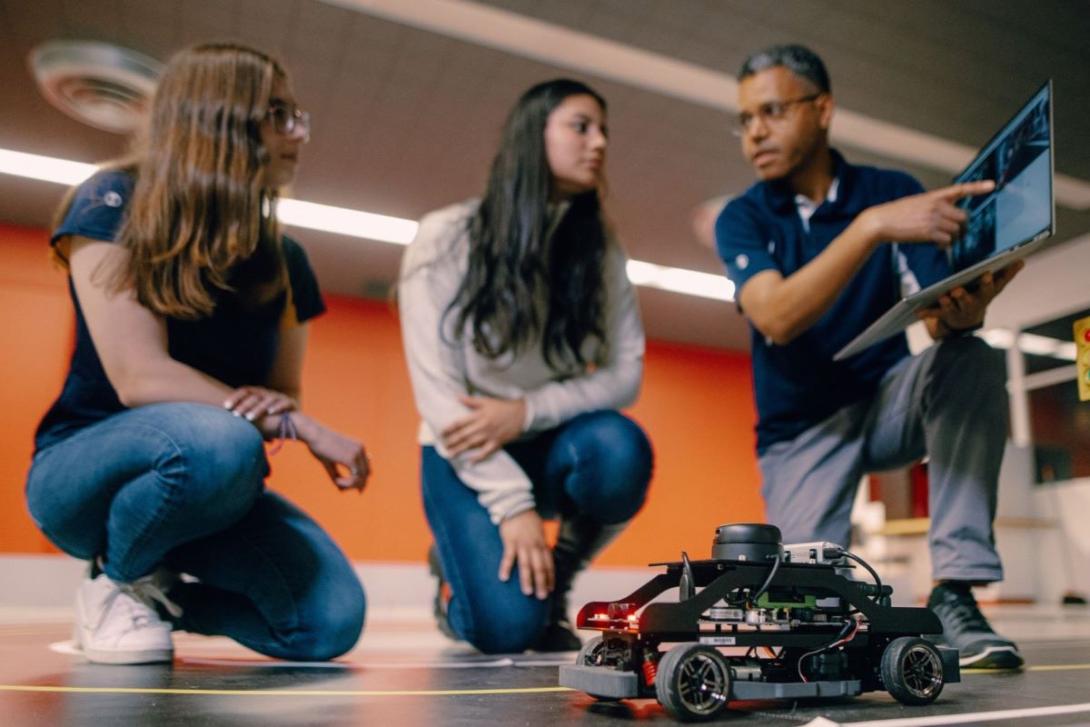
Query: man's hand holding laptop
{"type": "Point", "coordinates": [960, 310]}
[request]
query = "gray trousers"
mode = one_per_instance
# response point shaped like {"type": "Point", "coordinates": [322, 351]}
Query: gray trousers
{"type": "Point", "coordinates": [949, 402]}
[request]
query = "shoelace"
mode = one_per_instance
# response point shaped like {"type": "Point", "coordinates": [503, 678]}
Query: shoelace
{"type": "Point", "coordinates": [966, 615]}
{"type": "Point", "coordinates": [143, 593]}
{"type": "Point", "coordinates": [147, 591]}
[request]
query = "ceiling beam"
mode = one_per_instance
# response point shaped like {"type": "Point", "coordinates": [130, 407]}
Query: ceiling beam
{"type": "Point", "coordinates": [566, 48]}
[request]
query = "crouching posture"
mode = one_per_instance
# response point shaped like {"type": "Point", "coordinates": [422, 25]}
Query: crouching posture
{"type": "Point", "coordinates": [523, 339]}
{"type": "Point", "coordinates": [191, 315]}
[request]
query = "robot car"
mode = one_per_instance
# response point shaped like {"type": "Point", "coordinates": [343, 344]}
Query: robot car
{"type": "Point", "coordinates": [760, 620]}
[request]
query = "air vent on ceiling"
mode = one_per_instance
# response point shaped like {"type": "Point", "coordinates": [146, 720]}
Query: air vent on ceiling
{"type": "Point", "coordinates": [103, 85]}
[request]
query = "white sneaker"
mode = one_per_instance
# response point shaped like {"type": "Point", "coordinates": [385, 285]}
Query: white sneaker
{"type": "Point", "coordinates": [116, 623]}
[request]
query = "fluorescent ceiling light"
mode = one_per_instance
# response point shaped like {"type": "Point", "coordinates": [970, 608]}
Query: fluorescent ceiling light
{"type": "Point", "coordinates": [370, 226]}
{"type": "Point", "coordinates": [45, 169]}
{"type": "Point", "coordinates": [399, 231]}
{"type": "Point", "coordinates": [1037, 345]}
{"type": "Point", "coordinates": [1030, 343]}
{"type": "Point", "coordinates": [344, 221]}
{"type": "Point", "coordinates": [679, 280]}
{"type": "Point", "coordinates": [998, 337]}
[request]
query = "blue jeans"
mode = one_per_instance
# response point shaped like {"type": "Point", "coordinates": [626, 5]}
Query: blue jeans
{"type": "Point", "coordinates": [183, 486]}
{"type": "Point", "coordinates": [597, 465]}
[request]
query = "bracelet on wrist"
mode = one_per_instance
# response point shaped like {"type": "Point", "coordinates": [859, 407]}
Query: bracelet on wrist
{"type": "Point", "coordinates": [285, 430]}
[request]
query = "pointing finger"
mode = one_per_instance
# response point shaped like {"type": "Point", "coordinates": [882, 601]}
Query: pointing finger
{"type": "Point", "coordinates": [966, 189]}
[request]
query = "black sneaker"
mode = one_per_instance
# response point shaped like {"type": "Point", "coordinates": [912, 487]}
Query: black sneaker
{"type": "Point", "coordinates": [442, 595]}
{"type": "Point", "coordinates": [965, 629]}
{"type": "Point", "coordinates": [558, 636]}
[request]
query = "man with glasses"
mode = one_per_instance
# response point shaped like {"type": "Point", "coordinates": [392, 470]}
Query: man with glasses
{"type": "Point", "coordinates": [818, 249]}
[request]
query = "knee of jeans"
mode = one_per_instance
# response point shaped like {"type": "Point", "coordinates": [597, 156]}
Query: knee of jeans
{"type": "Point", "coordinates": [230, 443]}
{"type": "Point", "coordinates": [226, 454]}
{"type": "Point", "coordinates": [333, 630]}
{"type": "Point", "coordinates": [620, 452]}
{"type": "Point", "coordinates": [506, 626]}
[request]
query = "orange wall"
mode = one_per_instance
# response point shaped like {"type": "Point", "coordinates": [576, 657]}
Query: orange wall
{"type": "Point", "coordinates": [696, 406]}
{"type": "Point", "coordinates": [36, 321]}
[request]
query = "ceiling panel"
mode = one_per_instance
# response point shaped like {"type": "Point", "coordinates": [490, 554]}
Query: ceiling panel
{"type": "Point", "coordinates": [955, 69]}
{"type": "Point", "coordinates": [406, 120]}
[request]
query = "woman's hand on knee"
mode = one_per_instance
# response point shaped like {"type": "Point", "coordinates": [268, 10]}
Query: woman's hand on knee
{"type": "Point", "coordinates": [490, 424]}
{"type": "Point", "coordinates": [255, 402]}
{"type": "Point", "coordinates": [523, 537]}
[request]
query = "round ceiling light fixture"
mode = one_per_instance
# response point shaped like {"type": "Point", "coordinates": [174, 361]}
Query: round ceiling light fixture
{"type": "Point", "coordinates": [102, 85]}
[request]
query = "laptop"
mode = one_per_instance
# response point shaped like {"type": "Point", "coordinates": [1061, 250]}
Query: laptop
{"type": "Point", "coordinates": [1015, 220]}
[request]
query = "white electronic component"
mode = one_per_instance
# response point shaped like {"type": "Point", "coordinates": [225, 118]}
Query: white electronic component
{"type": "Point", "coordinates": [815, 552]}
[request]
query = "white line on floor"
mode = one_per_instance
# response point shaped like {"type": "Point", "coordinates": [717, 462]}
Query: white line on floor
{"type": "Point", "coordinates": [944, 719]}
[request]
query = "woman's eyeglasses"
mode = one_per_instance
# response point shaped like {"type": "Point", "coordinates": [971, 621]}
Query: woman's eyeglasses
{"type": "Point", "coordinates": [288, 120]}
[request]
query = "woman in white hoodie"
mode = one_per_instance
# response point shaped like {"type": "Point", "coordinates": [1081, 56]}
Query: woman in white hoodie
{"type": "Point", "coordinates": [523, 339]}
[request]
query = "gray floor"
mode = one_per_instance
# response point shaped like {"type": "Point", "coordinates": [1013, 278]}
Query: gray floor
{"type": "Point", "coordinates": [404, 673]}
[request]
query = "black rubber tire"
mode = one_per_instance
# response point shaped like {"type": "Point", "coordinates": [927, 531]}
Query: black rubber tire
{"type": "Point", "coordinates": [693, 682]}
{"type": "Point", "coordinates": [590, 654]}
{"type": "Point", "coordinates": [912, 671]}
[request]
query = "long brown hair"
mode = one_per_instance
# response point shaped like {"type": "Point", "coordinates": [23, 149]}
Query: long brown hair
{"type": "Point", "coordinates": [200, 222]}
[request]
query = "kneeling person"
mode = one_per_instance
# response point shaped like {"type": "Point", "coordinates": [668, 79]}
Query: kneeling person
{"type": "Point", "coordinates": [191, 325]}
{"type": "Point", "coordinates": [523, 338]}
{"type": "Point", "coordinates": [818, 249]}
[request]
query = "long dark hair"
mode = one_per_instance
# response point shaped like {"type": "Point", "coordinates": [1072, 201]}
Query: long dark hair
{"type": "Point", "coordinates": [523, 282]}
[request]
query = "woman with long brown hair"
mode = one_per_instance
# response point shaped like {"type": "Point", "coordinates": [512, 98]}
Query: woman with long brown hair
{"type": "Point", "coordinates": [191, 324]}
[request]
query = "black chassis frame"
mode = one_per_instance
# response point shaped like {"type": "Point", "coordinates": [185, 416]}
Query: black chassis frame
{"type": "Point", "coordinates": [670, 622]}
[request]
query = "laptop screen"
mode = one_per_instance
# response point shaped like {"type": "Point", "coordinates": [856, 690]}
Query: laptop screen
{"type": "Point", "coordinates": [1019, 159]}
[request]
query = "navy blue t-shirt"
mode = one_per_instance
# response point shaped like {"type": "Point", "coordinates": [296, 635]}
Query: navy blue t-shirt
{"type": "Point", "coordinates": [236, 344]}
{"type": "Point", "coordinates": [798, 385]}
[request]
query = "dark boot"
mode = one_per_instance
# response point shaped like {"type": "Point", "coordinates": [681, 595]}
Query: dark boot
{"type": "Point", "coordinates": [579, 540]}
{"type": "Point", "coordinates": [442, 595]}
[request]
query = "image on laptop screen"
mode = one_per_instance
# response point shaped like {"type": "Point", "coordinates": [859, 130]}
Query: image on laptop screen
{"type": "Point", "coordinates": [1019, 159]}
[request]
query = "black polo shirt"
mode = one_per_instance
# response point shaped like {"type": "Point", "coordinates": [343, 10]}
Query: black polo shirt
{"type": "Point", "coordinates": [799, 385]}
{"type": "Point", "coordinates": [237, 344]}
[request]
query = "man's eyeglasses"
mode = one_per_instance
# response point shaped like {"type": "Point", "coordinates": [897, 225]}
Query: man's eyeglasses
{"type": "Point", "coordinates": [773, 111]}
{"type": "Point", "coordinates": [288, 120]}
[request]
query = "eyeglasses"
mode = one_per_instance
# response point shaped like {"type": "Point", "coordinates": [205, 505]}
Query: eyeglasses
{"type": "Point", "coordinates": [287, 119]}
{"type": "Point", "coordinates": [773, 111]}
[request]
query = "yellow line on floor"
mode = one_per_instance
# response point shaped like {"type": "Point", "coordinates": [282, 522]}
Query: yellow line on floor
{"type": "Point", "coordinates": [1058, 667]}
{"type": "Point", "coordinates": [383, 693]}
{"type": "Point", "coordinates": [283, 692]}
